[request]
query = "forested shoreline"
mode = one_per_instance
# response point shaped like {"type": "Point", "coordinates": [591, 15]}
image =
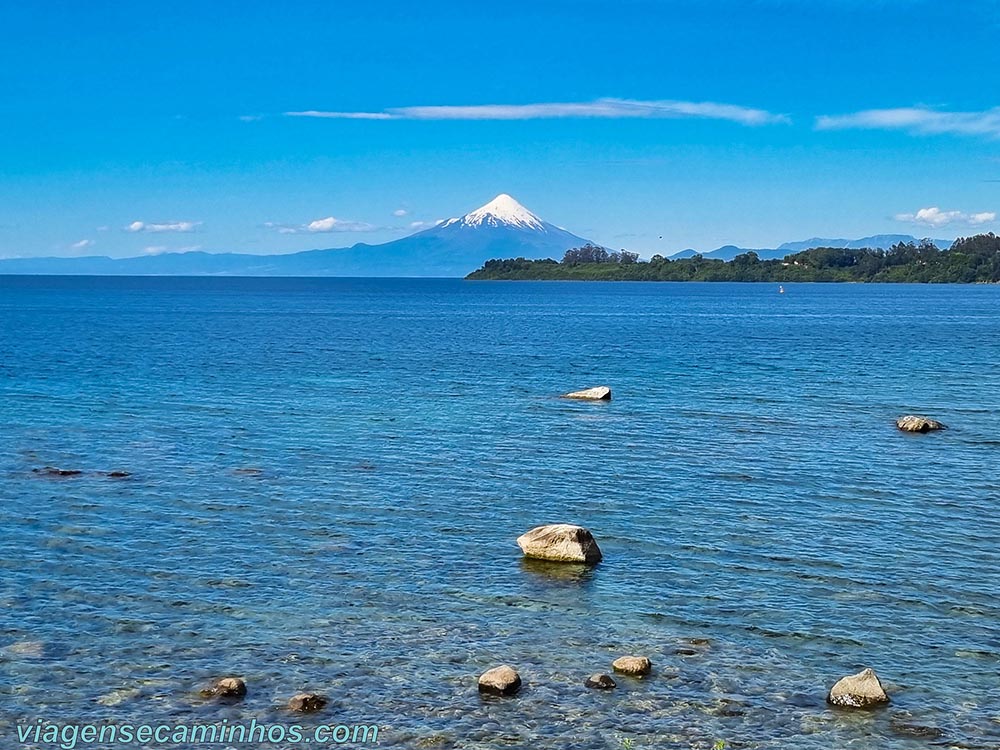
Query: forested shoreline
{"type": "Point", "coordinates": [969, 260]}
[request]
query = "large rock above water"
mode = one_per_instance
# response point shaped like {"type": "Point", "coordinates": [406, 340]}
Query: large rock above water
{"type": "Point", "coordinates": [912, 423]}
{"type": "Point", "coordinates": [599, 393]}
{"type": "Point", "coordinates": [307, 702]}
{"type": "Point", "coordinates": [638, 666]}
{"type": "Point", "coordinates": [600, 682]}
{"type": "Point", "coordinates": [861, 690]}
{"type": "Point", "coordinates": [560, 542]}
{"type": "Point", "coordinates": [228, 688]}
{"type": "Point", "coordinates": [502, 680]}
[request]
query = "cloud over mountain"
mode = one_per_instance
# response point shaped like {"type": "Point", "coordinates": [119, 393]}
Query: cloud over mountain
{"type": "Point", "coordinates": [935, 217]}
{"type": "Point", "coordinates": [326, 225]}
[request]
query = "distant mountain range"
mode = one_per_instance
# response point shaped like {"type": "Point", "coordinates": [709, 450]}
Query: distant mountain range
{"type": "Point", "coordinates": [884, 241]}
{"type": "Point", "coordinates": [502, 228]}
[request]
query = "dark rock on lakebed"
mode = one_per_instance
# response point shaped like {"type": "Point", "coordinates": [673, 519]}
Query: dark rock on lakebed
{"type": "Point", "coordinates": [52, 471]}
{"type": "Point", "coordinates": [693, 647]}
{"type": "Point", "coordinates": [600, 682]}
{"type": "Point", "coordinates": [560, 542]}
{"type": "Point", "coordinates": [559, 573]}
{"type": "Point", "coordinates": [23, 650]}
{"type": "Point", "coordinates": [502, 680]}
{"type": "Point", "coordinates": [307, 702]}
{"type": "Point", "coordinates": [56, 472]}
{"type": "Point", "coordinates": [908, 729]}
{"type": "Point", "coordinates": [227, 688]}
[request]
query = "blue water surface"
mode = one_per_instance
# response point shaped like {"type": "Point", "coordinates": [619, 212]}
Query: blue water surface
{"type": "Point", "coordinates": [327, 477]}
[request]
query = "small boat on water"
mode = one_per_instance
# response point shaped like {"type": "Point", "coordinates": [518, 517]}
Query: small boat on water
{"type": "Point", "coordinates": [781, 290]}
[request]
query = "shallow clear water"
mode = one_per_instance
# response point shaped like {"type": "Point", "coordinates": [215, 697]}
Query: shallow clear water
{"type": "Point", "coordinates": [747, 486]}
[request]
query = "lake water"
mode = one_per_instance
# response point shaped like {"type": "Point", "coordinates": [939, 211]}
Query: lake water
{"type": "Point", "coordinates": [328, 476]}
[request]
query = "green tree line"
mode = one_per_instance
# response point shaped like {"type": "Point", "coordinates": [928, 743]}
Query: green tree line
{"type": "Point", "coordinates": [969, 260]}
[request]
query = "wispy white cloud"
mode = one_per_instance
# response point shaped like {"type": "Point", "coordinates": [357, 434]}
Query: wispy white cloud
{"type": "Point", "coordinates": [157, 227]}
{"type": "Point", "coordinates": [159, 249]}
{"type": "Point", "coordinates": [935, 217]}
{"type": "Point", "coordinates": [347, 115]}
{"type": "Point", "coordinates": [425, 224]}
{"type": "Point", "coordinates": [331, 224]}
{"type": "Point", "coordinates": [322, 226]}
{"type": "Point", "coordinates": [602, 108]}
{"type": "Point", "coordinates": [82, 244]}
{"type": "Point", "coordinates": [917, 120]}
{"type": "Point", "coordinates": [400, 212]}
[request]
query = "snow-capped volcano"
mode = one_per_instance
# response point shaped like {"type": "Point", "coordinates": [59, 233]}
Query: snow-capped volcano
{"type": "Point", "coordinates": [503, 228]}
{"type": "Point", "coordinates": [501, 211]}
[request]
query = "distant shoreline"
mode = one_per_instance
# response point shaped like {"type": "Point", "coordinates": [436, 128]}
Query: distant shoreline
{"type": "Point", "coordinates": [475, 277]}
{"type": "Point", "coordinates": [968, 261]}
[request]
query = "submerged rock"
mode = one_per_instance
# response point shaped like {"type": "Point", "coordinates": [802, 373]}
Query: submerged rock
{"type": "Point", "coordinates": [599, 393]}
{"type": "Point", "coordinates": [560, 542]}
{"type": "Point", "coordinates": [637, 666]}
{"type": "Point", "coordinates": [861, 690]}
{"type": "Point", "coordinates": [228, 687]}
{"type": "Point", "coordinates": [23, 650]}
{"type": "Point", "coordinates": [307, 702]}
{"type": "Point", "coordinates": [557, 572]}
{"type": "Point", "coordinates": [600, 682]}
{"type": "Point", "coordinates": [908, 729]}
{"type": "Point", "coordinates": [116, 697]}
{"type": "Point", "coordinates": [502, 680]}
{"type": "Point", "coordinates": [52, 471]}
{"type": "Point", "coordinates": [55, 471]}
{"type": "Point", "coordinates": [912, 423]}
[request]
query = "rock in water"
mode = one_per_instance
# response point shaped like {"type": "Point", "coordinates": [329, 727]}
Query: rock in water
{"type": "Point", "coordinates": [911, 423]}
{"type": "Point", "coordinates": [560, 542]}
{"type": "Point", "coordinates": [231, 688]}
{"type": "Point", "coordinates": [23, 649]}
{"type": "Point", "coordinates": [861, 690]}
{"type": "Point", "coordinates": [53, 471]}
{"type": "Point", "coordinates": [307, 702]}
{"type": "Point", "coordinates": [119, 696]}
{"type": "Point", "coordinates": [600, 682]}
{"type": "Point", "coordinates": [600, 393]}
{"type": "Point", "coordinates": [634, 665]}
{"type": "Point", "coordinates": [502, 680]}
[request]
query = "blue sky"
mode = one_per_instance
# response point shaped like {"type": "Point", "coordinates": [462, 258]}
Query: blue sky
{"type": "Point", "coordinates": [131, 128]}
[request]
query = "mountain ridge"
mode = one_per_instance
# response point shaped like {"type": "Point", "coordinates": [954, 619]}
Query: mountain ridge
{"type": "Point", "coordinates": [875, 241]}
{"type": "Point", "coordinates": [500, 228]}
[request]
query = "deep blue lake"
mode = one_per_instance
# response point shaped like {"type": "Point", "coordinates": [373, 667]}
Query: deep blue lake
{"type": "Point", "coordinates": [328, 476]}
